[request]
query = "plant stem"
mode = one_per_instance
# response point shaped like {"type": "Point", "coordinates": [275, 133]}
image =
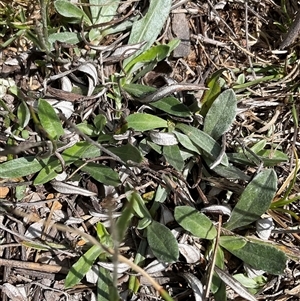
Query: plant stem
{"type": "Point", "coordinates": [44, 15]}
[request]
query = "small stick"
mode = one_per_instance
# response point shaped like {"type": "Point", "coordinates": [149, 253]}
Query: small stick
{"type": "Point", "coordinates": [48, 268]}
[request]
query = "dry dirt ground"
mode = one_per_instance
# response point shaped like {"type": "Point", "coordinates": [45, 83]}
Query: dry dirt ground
{"type": "Point", "coordinates": [237, 37]}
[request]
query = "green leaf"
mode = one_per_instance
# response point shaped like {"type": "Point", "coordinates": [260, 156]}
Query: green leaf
{"type": "Point", "coordinates": [79, 150]}
{"type": "Point", "coordinates": [204, 141]}
{"type": "Point", "coordinates": [106, 291]}
{"type": "Point", "coordinates": [244, 158]}
{"type": "Point", "coordinates": [65, 37]}
{"type": "Point", "coordinates": [104, 236]}
{"type": "Point", "coordinates": [232, 242]}
{"type": "Point", "coordinates": [161, 194]}
{"type": "Point", "coordinates": [82, 149]}
{"type": "Point", "coordinates": [82, 266]}
{"type": "Point", "coordinates": [145, 122]}
{"type": "Point", "coordinates": [229, 172]}
{"type": "Point", "coordinates": [261, 256]}
{"type": "Point", "coordinates": [144, 223]}
{"type": "Point", "coordinates": [216, 281]}
{"type": "Point", "coordinates": [20, 192]}
{"type": "Point", "coordinates": [99, 122]}
{"type": "Point", "coordinates": [221, 294]}
{"type": "Point", "coordinates": [259, 80]}
{"type": "Point", "coordinates": [173, 44]}
{"type": "Point", "coordinates": [23, 115]}
{"type": "Point", "coordinates": [149, 27]}
{"type": "Point", "coordinates": [124, 220]}
{"type": "Point", "coordinates": [252, 284]}
{"type": "Point", "coordinates": [127, 152]}
{"type": "Point", "coordinates": [21, 167]}
{"type": "Point", "coordinates": [172, 106]}
{"type": "Point", "coordinates": [155, 147]}
{"type": "Point", "coordinates": [69, 10]}
{"type": "Point", "coordinates": [272, 157]}
{"type": "Point", "coordinates": [91, 152]}
{"type": "Point", "coordinates": [214, 84]}
{"type": "Point", "coordinates": [173, 156]}
{"type": "Point", "coordinates": [195, 222]}
{"type": "Point", "coordinates": [267, 156]}
{"type": "Point", "coordinates": [120, 27]}
{"type": "Point", "coordinates": [162, 243]}
{"type": "Point", "coordinates": [138, 90]}
{"type": "Point", "coordinates": [43, 246]}
{"type": "Point", "coordinates": [139, 206]}
{"type": "Point", "coordinates": [48, 173]}
{"type": "Point", "coordinates": [100, 173]}
{"type": "Point", "coordinates": [95, 9]}
{"type": "Point", "coordinates": [105, 287]}
{"type": "Point", "coordinates": [260, 145]}
{"type": "Point", "coordinates": [254, 201]}
{"type": "Point", "coordinates": [102, 11]}
{"type": "Point", "coordinates": [221, 114]}
{"type": "Point", "coordinates": [148, 58]}
{"type": "Point", "coordinates": [185, 141]}
{"type": "Point", "coordinates": [49, 119]}
{"type": "Point", "coordinates": [87, 129]}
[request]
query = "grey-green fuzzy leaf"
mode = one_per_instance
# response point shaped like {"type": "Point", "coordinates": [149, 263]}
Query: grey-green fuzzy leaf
{"type": "Point", "coordinates": [195, 222]}
{"type": "Point", "coordinates": [260, 256]}
{"type": "Point", "coordinates": [203, 141]}
{"type": "Point", "coordinates": [221, 114]}
{"type": "Point", "coordinates": [21, 167]}
{"type": "Point", "coordinates": [254, 201]}
{"type": "Point", "coordinates": [162, 243]}
{"type": "Point", "coordinates": [149, 27]}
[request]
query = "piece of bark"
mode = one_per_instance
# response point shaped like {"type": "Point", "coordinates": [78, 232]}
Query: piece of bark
{"type": "Point", "coordinates": [180, 28]}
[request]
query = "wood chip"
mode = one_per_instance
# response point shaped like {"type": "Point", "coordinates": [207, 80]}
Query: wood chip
{"type": "Point", "coordinates": [180, 28]}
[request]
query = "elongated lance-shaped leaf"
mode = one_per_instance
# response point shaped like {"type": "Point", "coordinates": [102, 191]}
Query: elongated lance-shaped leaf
{"type": "Point", "coordinates": [105, 288]}
{"type": "Point", "coordinates": [214, 83]}
{"type": "Point", "coordinates": [203, 141]}
{"type": "Point", "coordinates": [49, 119]}
{"type": "Point", "coordinates": [221, 114]}
{"type": "Point", "coordinates": [259, 255]}
{"type": "Point", "coordinates": [82, 266]}
{"type": "Point", "coordinates": [254, 201]}
{"type": "Point", "coordinates": [21, 167]}
{"type": "Point", "coordinates": [127, 152]}
{"type": "Point", "coordinates": [149, 27]}
{"type": "Point", "coordinates": [145, 122]}
{"type": "Point", "coordinates": [102, 10]}
{"type": "Point", "coordinates": [173, 156]}
{"type": "Point", "coordinates": [153, 55]}
{"type": "Point", "coordinates": [195, 222]}
{"type": "Point", "coordinates": [23, 114]}
{"type": "Point", "coordinates": [172, 106]}
{"type": "Point", "coordinates": [162, 243]}
{"type": "Point", "coordinates": [69, 10]}
{"type": "Point", "coordinates": [101, 173]}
